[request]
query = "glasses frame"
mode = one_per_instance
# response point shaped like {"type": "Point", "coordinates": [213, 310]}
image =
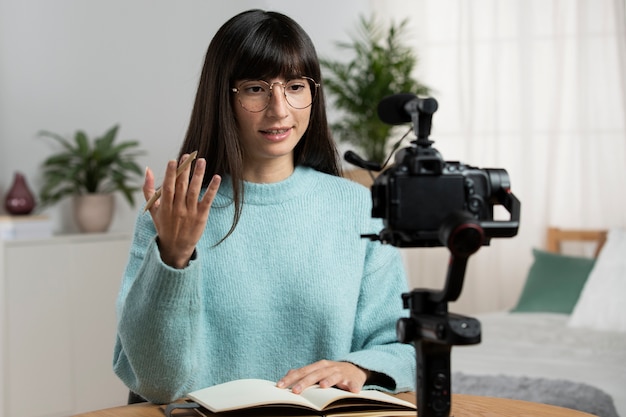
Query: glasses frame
{"type": "Point", "coordinates": [316, 86]}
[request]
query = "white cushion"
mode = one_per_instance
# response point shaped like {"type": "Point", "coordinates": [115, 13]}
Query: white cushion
{"type": "Point", "coordinates": [602, 302]}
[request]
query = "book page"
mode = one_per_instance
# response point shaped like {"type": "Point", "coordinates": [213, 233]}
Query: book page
{"type": "Point", "coordinates": [322, 397]}
{"type": "Point", "coordinates": [245, 393]}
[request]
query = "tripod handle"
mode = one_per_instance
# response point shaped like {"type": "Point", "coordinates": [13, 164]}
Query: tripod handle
{"type": "Point", "coordinates": [434, 375]}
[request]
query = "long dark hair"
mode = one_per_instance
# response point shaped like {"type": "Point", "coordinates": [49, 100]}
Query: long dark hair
{"type": "Point", "coordinates": [254, 44]}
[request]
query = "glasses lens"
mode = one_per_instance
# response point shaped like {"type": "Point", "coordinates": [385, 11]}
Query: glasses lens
{"type": "Point", "coordinates": [255, 95]}
{"type": "Point", "coordinates": [299, 93]}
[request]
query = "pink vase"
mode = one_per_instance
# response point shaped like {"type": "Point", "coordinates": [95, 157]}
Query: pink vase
{"type": "Point", "coordinates": [19, 200]}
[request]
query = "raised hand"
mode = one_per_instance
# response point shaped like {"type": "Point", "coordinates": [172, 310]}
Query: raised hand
{"type": "Point", "coordinates": [179, 215]}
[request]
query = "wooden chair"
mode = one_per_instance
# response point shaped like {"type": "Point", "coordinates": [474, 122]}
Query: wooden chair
{"type": "Point", "coordinates": [556, 236]}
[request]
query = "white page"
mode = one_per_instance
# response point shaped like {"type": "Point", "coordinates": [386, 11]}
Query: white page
{"type": "Point", "coordinates": [245, 393]}
{"type": "Point", "coordinates": [324, 396]}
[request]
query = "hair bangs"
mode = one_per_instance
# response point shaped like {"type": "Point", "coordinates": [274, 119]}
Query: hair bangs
{"type": "Point", "coordinates": [266, 56]}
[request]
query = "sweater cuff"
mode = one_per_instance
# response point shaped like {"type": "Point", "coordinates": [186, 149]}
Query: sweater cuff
{"type": "Point", "coordinates": [193, 256]}
{"type": "Point", "coordinates": [396, 374]}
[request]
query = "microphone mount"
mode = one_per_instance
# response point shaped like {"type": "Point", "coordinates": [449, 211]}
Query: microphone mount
{"type": "Point", "coordinates": [356, 160]}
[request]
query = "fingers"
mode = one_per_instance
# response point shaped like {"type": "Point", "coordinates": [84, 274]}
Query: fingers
{"type": "Point", "coordinates": [149, 193]}
{"type": "Point", "coordinates": [209, 195]}
{"type": "Point", "coordinates": [177, 189]}
{"type": "Point", "coordinates": [181, 176]}
{"type": "Point", "coordinates": [195, 185]}
{"type": "Point", "coordinates": [343, 375]}
{"type": "Point", "coordinates": [168, 188]}
{"type": "Point", "coordinates": [148, 184]}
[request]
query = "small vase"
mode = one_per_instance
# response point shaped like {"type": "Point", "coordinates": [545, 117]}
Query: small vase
{"type": "Point", "coordinates": [19, 200]}
{"type": "Point", "coordinates": [94, 212]}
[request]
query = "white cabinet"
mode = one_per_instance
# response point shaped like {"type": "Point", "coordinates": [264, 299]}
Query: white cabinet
{"type": "Point", "coordinates": [57, 324]}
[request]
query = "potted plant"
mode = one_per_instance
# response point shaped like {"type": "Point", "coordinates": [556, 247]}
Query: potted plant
{"type": "Point", "coordinates": [381, 65]}
{"type": "Point", "coordinates": [90, 172]}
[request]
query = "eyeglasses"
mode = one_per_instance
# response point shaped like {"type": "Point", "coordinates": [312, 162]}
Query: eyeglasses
{"type": "Point", "coordinates": [255, 95]}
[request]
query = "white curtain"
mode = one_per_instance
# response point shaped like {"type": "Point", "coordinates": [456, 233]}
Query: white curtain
{"type": "Point", "coordinates": [537, 87]}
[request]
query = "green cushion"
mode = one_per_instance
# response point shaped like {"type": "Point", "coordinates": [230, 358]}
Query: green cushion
{"type": "Point", "coordinates": [554, 283]}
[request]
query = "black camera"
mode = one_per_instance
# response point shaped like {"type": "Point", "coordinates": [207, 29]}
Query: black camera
{"type": "Point", "coordinates": [421, 192]}
{"type": "Point", "coordinates": [427, 201]}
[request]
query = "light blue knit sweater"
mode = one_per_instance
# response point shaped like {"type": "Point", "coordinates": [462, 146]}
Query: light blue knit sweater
{"type": "Point", "coordinates": [294, 283]}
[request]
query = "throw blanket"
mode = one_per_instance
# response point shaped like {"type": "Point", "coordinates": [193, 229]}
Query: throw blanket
{"type": "Point", "coordinates": [557, 392]}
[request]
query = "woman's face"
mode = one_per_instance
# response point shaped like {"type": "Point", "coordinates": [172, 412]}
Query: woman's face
{"type": "Point", "coordinates": [269, 136]}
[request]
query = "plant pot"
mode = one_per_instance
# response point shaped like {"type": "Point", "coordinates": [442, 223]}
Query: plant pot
{"type": "Point", "coordinates": [93, 213]}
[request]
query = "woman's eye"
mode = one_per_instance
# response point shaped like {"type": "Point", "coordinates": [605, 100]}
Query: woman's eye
{"type": "Point", "coordinates": [254, 89]}
{"type": "Point", "coordinates": [295, 88]}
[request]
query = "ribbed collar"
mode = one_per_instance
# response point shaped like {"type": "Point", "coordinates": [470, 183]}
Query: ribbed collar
{"type": "Point", "coordinates": [300, 181]}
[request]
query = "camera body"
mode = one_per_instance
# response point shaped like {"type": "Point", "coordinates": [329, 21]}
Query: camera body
{"type": "Point", "coordinates": [422, 196]}
{"type": "Point", "coordinates": [418, 193]}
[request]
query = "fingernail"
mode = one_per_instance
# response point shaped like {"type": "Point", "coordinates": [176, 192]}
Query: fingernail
{"type": "Point", "coordinates": [280, 384]}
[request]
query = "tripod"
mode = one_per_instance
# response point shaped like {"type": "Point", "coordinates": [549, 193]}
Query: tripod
{"type": "Point", "coordinates": [432, 329]}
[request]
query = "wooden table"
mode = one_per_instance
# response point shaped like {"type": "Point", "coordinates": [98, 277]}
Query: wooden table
{"type": "Point", "coordinates": [462, 406]}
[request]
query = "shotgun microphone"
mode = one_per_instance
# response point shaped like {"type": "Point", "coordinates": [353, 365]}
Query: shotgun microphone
{"type": "Point", "coordinates": [399, 108]}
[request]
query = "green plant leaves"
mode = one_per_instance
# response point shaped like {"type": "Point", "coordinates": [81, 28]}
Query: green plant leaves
{"type": "Point", "coordinates": [382, 65]}
{"type": "Point", "coordinates": [85, 167]}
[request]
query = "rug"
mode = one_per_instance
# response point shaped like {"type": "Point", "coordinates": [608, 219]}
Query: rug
{"type": "Point", "coordinates": [557, 392]}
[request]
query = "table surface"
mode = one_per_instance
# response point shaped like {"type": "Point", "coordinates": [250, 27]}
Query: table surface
{"type": "Point", "coordinates": [462, 406]}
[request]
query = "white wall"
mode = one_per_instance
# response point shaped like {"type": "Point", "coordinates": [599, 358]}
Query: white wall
{"type": "Point", "coordinates": [89, 64]}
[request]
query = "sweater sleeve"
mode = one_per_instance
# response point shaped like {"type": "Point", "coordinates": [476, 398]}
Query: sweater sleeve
{"type": "Point", "coordinates": [375, 346]}
{"type": "Point", "coordinates": [157, 312]}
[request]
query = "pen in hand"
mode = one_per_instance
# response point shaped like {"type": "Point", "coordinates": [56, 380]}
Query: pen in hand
{"type": "Point", "coordinates": [179, 170]}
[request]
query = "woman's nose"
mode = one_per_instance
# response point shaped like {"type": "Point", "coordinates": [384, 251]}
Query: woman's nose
{"type": "Point", "coordinates": [278, 102]}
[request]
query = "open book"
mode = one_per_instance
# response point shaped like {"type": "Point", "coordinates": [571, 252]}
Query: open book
{"type": "Point", "coordinates": [263, 397]}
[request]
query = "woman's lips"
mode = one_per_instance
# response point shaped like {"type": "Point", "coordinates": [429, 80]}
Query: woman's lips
{"type": "Point", "coordinates": [277, 134]}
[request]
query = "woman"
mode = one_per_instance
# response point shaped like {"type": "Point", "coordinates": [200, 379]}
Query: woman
{"type": "Point", "coordinates": [251, 264]}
